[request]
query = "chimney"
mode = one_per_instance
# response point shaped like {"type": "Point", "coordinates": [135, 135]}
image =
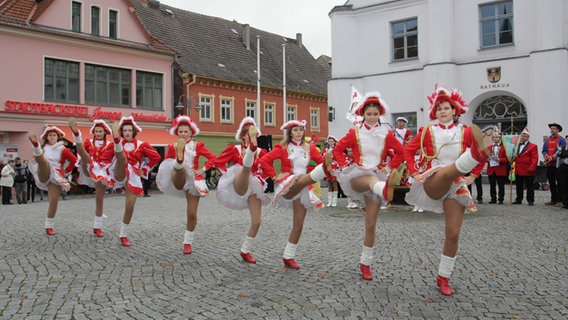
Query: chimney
{"type": "Point", "coordinates": [155, 4]}
{"type": "Point", "coordinates": [299, 40]}
{"type": "Point", "coordinates": [246, 36]}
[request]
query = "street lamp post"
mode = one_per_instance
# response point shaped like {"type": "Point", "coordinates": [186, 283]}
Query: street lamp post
{"type": "Point", "coordinates": [190, 105]}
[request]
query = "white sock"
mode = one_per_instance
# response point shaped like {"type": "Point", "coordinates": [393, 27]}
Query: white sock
{"type": "Point", "coordinates": [178, 165]}
{"type": "Point", "coordinates": [367, 255]}
{"type": "Point", "coordinates": [446, 266]}
{"type": "Point", "coordinates": [49, 223]}
{"type": "Point", "coordinates": [465, 163]}
{"type": "Point", "coordinates": [378, 188]}
{"type": "Point", "coordinates": [248, 159]}
{"type": "Point", "coordinates": [188, 237]}
{"type": "Point", "coordinates": [98, 222]}
{"type": "Point", "coordinates": [79, 138]}
{"type": "Point", "coordinates": [290, 251]}
{"type": "Point", "coordinates": [123, 232]}
{"type": "Point", "coordinates": [36, 151]}
{"type": "Point", "coordinates": [317, 174]}
{"type": "Point", "coordinates": [247, 244]}
{"type": "Point", "coordinates": [118, 147]}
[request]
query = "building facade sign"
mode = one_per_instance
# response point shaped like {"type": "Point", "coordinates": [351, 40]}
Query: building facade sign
{"type": "Point", "coordinates": [59, 109]}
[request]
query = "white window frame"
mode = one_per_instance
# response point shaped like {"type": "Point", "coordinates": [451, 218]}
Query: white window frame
{"type": "Point", "coordinates": [291, 112]}
{"type": "Point", "coordinates": [226, 109]}
{"type": "Point", "coordinates": [91, 20]}
{"type": "Point", "coordinates": [269, 115]}
{"type": "Point", "coordinates": [117, 23]}
{"type": "Point", "coordinates": [495, 20]}
{"type": "Point", "coordinates": [404, 35]}
{"type": "Point", "coordinates": [314, 119]}
{"type": "Point", "coordinates": [80, 3]}
{"type": "Point", "coordinates": [250, 109]}
{"type": "Point", "coordinates": [206, 113]}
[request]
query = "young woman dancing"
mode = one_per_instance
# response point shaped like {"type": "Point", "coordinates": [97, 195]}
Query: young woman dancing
{"type": "Point", "coordinates": [129, 167]}
{"type": "Point", "coordinates": [292, 183]}
{"type": "Point", "coordinates": [366, 179]}
{"type": "Point", "coordinates": [51, 163]}
{"type": "Point", "coordinates": [241, 186]}
{"type": "Point", "coordinates": [95, 158]}
{"type": "Point", "coordinates": [448, 151]}
{"type": "Point", "coordinates": [179, 175]}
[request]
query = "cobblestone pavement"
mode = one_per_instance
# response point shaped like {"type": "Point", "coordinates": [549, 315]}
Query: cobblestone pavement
{"type": "Point", "coordinates": [512, 264]}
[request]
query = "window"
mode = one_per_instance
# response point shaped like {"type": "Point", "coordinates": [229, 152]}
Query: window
{"type": "Point", "coordinates": [269, 114]}
{"type": "Point", "coordinates": [95, 21]}
{"type": "Point", "coordinates": [291, 113]}
{"type": "Point", "coordinates": [226, 110]}
{"type": "Point", "coordinates": [148, 90]}
{"type": "Point", "coordinates": [113, 24]}
{"type": "Point", "coordinates": [107, 86]}
{"type": "Point", "coordinates": [405, 39]}
{"type": "Point", "coordinates": [76, 16]}
{"type": "Point", "coordinates": [61, 82]}
{"type": "Point", "coordinates": [251, 107]}
{"type": "Point", "coordinates": [206, 109]}
{"type": "Point", "coordinates": [314, 119]}
{"type": "Point", "coordinates": [496, 24]}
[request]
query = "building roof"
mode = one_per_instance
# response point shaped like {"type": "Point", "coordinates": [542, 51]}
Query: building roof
{"type": "Point", "coordinates": [23, 13]}
{"type": "Point", "coordinates": [216, 48]}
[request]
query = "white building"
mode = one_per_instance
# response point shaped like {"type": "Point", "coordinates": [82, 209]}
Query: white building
{"type": "Point", "coordinates": [509, 59]}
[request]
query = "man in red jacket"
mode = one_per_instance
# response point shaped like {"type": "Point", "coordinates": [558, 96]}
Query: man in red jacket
{"type": "Point", "coordinates": [525, 168]}
{"type": "Point", "coordinates": [497, 169]}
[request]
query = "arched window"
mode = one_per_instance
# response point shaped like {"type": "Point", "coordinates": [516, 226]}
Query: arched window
{"type": "Point", "coordinates": [506, 113]}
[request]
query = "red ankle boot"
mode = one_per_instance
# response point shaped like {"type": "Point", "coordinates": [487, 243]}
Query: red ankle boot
{"type": "Point", "coordinates": [248, 257]}
{"type": "Point", "coordinates": [478, 151]}
{"type": "Point", "coordinates": [444, 285]}
{"type": "Point", "coordinates": [98, 232]}
{"type": "Point", "coordinates": [125, 242]}
{"type": "Point", "coordinates": [187, 248]}
{"type": "Point", "coordinates": [290, 263]}
{"type": "Point", "coordinates": [366, 272]}
{"type": "Point", "coordinates": [253, 134]}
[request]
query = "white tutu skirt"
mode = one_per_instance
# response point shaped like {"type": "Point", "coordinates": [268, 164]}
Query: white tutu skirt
{"type": "Point", "coordinates": [307, 198]}
{"type": "Point", "coordinates": [418, 197]}
{"type": "Point", "coordinates": [353, 171]}
{"type": "Point", "coordinates": [227, 196]}
{"type": "Point", "coordinates": [98, 173]}
{"type": "Point", "coordinates": [191, 186]}
{"type": "Point", "coordinates": [132, 181]}
{"type": "Point", "coordinates": [56, 177]}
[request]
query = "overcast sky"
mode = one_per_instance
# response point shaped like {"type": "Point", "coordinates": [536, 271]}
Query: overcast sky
{"type": "Point", "coordinates": [284, 17]}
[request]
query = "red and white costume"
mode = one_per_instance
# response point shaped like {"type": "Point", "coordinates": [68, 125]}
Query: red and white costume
{"type": "Point", "coordinates": [295, 158]}
{"type": "Point", "coordinates": [226, 194]}
{"type": "Point", "coordinates": [61, 160]}
{"type": "Point", "coordinates": [369, 146]}
{"type": "Point", "coordinates": [134, 150]}
{"type": "Point", "coordinates": [101, 154]}
{"type": "Point", "coordinates": [194, 185]}
{"type": "Point", "coordinates": [439, 146]}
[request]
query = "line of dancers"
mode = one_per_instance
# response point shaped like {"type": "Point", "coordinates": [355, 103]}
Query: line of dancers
{"type": "Point", "coordinates": [446, 152]}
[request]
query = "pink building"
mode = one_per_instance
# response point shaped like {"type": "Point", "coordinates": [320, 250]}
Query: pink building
{"type": "Point", "coordinates": [87, 59]}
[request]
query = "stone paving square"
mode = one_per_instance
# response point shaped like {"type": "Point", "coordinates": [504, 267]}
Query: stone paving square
{"type": "Point", "coordinates": [512, 264]}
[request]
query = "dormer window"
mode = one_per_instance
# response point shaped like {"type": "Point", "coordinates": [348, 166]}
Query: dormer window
{"type": "Point", "coordinates": [113, 24]}
{"type": "Point", "coordinates": [95, 21]}
{"type": "Point", "coordinates": [76, 16]}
